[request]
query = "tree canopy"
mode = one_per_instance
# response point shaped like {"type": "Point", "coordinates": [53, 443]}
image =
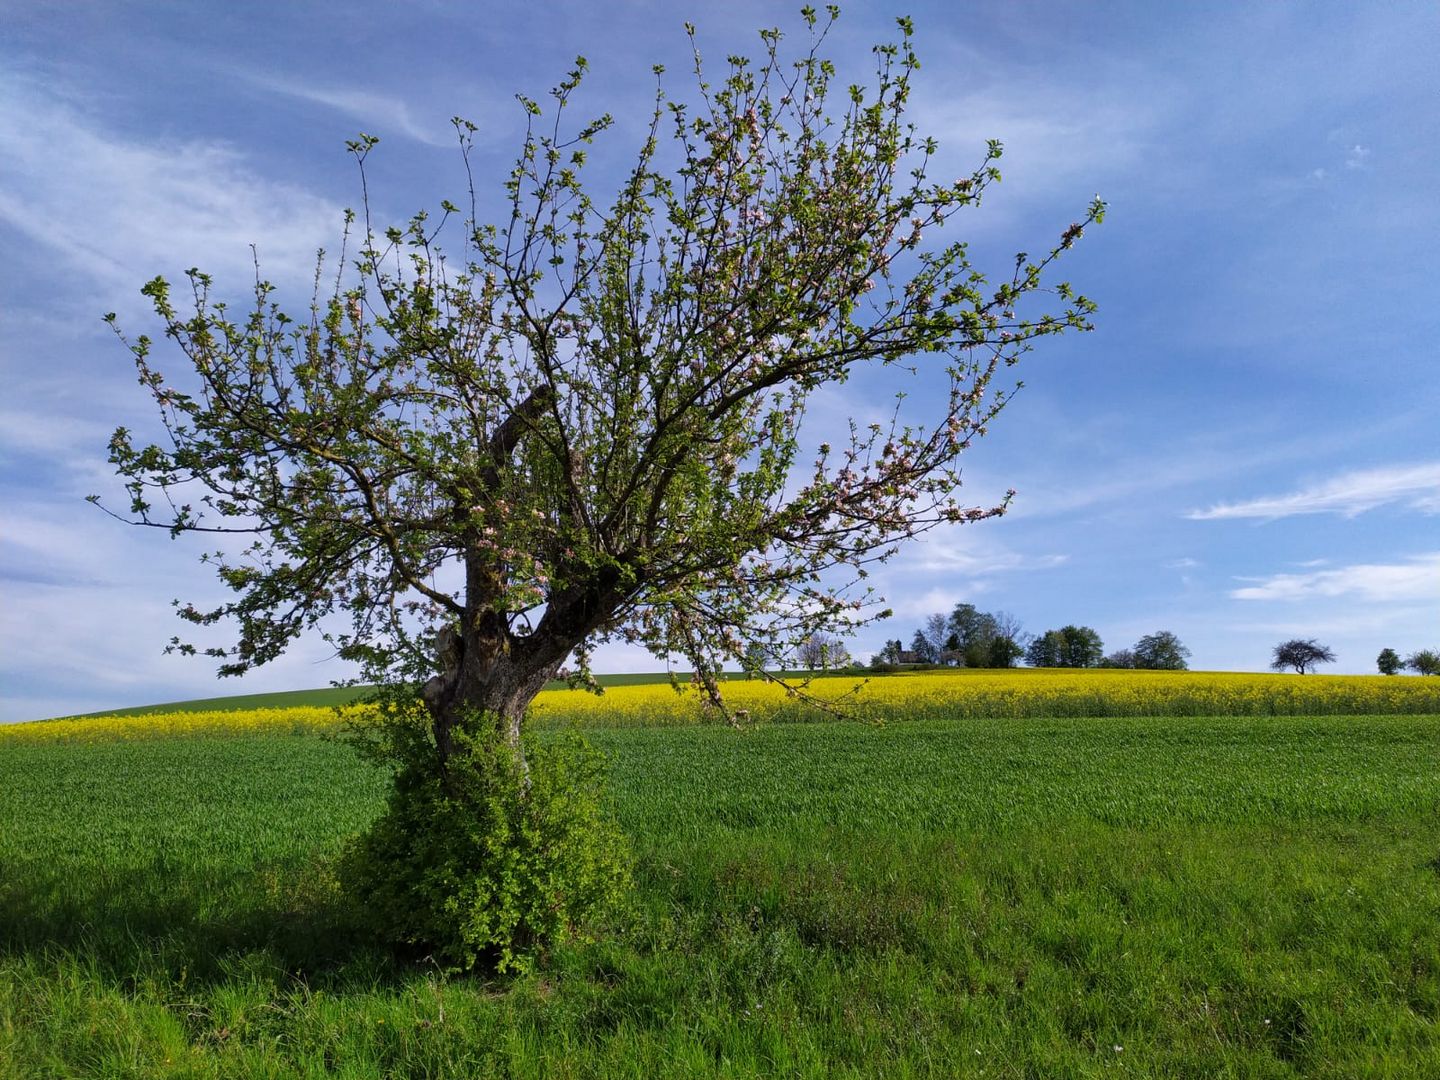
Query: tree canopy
{"type": "Point", "coordinates": [1161, 651]}
{"type": "Point", "coordinates": [1070, 646]}
{"type": "Point", "coordinates": [1300, 655]}
{"type": "Point", "coordinates": [587, 421]}
{"type": "Point", "coordinates": [1424, 662]}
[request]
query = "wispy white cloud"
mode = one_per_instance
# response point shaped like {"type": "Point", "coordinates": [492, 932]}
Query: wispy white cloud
{"type": "Point", "coordinates": [120, 210]}
{"type": "Point", "coordinates": [1416, 580]}
{"type": "Point", "coordinates": [377, 113]}
{"type": "Point", "coordinates": [1414, 486]}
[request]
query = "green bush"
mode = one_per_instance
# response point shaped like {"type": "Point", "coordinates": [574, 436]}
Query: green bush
{"type": "Point", "coordinates": [477, 870]}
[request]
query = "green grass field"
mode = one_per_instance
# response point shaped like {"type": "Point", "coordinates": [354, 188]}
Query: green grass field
{"type": "Point", "coordinates": [1166, 897]}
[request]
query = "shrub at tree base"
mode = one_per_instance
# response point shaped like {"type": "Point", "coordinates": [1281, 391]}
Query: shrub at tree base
{"type": "Point", "coordinates": [485, 863]}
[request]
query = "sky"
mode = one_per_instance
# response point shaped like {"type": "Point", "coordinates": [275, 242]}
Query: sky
{"type": "Point", "coordinates": [1244, 450]}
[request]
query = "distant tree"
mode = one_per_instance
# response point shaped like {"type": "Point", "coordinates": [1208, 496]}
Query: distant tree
{"type": "Point", "coordinates": [889, 654]}
{"type": "Point", "coordinates": [758, 658]}
{"type": "Point", "coordinates": [1047, 650]}
{"type": "Point", "coordinates": [821, 652]}
{"type": "Point", "coordinates": [1007, 625]}
{"type": "Point", "coordinates": [1301, 655]}
{"type": "Point", "coordinates": [1424, 662]}
{"type": "Point", "coordinates": [925, 651]}
{"type": "Point", "coordinates": [932, 641]}
{"type": "Point", "coordinates": [1389, 662]}
{"type": "Point", "coordinates": [1003, 651]}
{"type": "Point", "coordinates": [971, 632]}
{"type": "Point", "coordinates": [1082, 647]}
{"type": "Point", "coordinates": [1120, 658]}
{"type": "Point", "coordinates": [1161, 651]}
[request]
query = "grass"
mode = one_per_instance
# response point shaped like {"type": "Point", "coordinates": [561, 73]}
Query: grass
{"type": "Point", "coordinates": [1176, 897]}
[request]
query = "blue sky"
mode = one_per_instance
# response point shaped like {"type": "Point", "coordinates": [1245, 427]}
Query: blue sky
{"type": "Point", "coordinates": [1246, 449]}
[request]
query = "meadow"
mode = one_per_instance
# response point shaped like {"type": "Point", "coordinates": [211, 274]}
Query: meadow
{"type": "Point", "coordinates": [1252, 891]}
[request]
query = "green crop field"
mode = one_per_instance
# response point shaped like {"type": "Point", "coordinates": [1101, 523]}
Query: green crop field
{"type": "Point", "coordinates": [1062, 897]}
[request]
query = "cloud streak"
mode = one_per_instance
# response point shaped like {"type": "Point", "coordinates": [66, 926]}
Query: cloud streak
{"type": "Point", "coordinates": [386, 114]}
{"type": "Point", "coordinates": [119, 210]}
{"type": "Point", "coordinates": [1416, 580]}
{"type": "Point", "coordinates": [1416, 487]}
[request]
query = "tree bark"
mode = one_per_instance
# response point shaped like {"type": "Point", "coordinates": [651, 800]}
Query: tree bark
{"type": "Point", "coordinates": [485, 674]}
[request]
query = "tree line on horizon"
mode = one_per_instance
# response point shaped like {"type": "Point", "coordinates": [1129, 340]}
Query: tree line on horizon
{"type": "Point", "coordinates": [969, 637]}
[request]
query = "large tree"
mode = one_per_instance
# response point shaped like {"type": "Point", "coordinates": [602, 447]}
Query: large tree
{"type": "Point", "coordinates": [587, 420]}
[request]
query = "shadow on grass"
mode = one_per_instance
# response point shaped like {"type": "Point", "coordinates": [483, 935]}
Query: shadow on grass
{"type": "Point", "coordinates": [160, 921]}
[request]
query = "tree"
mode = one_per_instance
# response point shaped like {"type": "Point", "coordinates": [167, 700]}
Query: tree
{"type": "Point", "coordinates": [926, 652]}
{"type": "Point", "coordinates": [932, 641]}
{"type": "Point", "coordinates": [971, 632]}
{"type": "Point", "coordinates": [889, 654]}
{"type": "Point", "coordinates": [758, 658]}
{"type": "Point", "coordinates": [1161, 651]}
{"type": "Point", "coordinates": [586, 422]}
{"type": "Point", "coordinates": [1388, 662]}
{"type": "Point", "coordinates": [1081, 647]}
{"type": "Point", "coordinates": [1070, 646]}
{"type": "Point", "coordinates": [1046, 650]}
{"type": "Point", "coordinates": [1424, 662]}
{"type": "Point", "coordinates": [1120, 658]}
{"type": "Point", "coordinates": [1008, 645]}
{"type": "Point", "coordinates": [1301, 655]}
{"type": "Point", "coordinates": [822, 651]}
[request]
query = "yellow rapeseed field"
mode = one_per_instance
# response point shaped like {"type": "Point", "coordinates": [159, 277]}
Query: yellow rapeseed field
{"type": "Point", "coordinates": [890, 698]}
{"type": "Point", "coordinates": [1013, 692]}
{"type": "Point", "coordinates": [296, 719]}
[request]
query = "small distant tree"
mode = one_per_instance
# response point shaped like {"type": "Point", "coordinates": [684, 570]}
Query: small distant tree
{"type": "Point", "coordinates": [1082, 647]}
{"type": "Point", "coordinates": [971, 631]}
{"type": "Point", "coordinates": [1120, 658]}
{"type": "Point", "coordinates": [1046, 650]}
{"type": "Point", "coordinates": [1070, 646]}
{"type": "Point", "coordinates": [1003, 652]}
{"type": "Point", "coordinates": [926, 652]}
{"type": "Point", "coordinates": [888, 655]}
{"type": "Point", "coordinates": [1300, 655]}
{"type": "Point", "coordinates": [1389, 662]}
{"type": "Point", "coordinates": [757, 659]}
{"type": "Point", "coordinates": [1161, 651]}
{"type": "Point", "coordinates": [1424, 662]}
{"type": "Point", "coordinates": [821, 652]}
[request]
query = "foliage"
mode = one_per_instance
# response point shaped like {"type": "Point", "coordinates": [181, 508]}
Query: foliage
{"type": "Point", "coordinates": [1424, 662]}
{"type": "Point", "coordinates": [889, 654]}
{"type": "Point", "coordinates": [486, 450]}
{"type": "Point", "coordinates": [1301, 655]}
{"type": "Point", "coordinates": [1004, 651]}
{"type": "Point", "coordinates": [1120, 658]}
{"type": "Point", "coordinates": [822, 652]}
{"type": "Point", "coordinates": [1070, 646]}
{"type": "Point", "coordinates": [594, 410]}
{"type": "Point", "coordinates": [478, 863]}
{"type": "Point", "coordinates": [968, 637]}
{"type": "Point", "coordinates": [1161, 651]}
{"type": "Point", "coordinates": [1388, 662]}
